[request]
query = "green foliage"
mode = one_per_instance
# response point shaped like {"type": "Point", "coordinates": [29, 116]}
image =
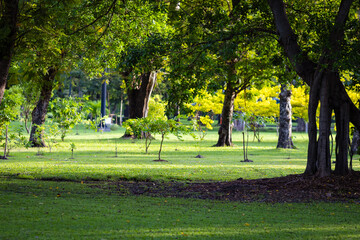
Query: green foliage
{"type": "Point", "coordinates": [15, 139]}
{"type": "Point", "coordinates": [156, 108]}
{"type": "Point", "coordinates": [92, 109]}
{"type": "Point", "coordinates": [201, 126]}
{"type": "Point", "coordinates": [141, 128]}
{"type": "Point", "coordinates": [10, 105]}
{"type": "Point", "coordinates": [38, 136]}
{"type": "Point", "coordinates": [148, 127]}
{"type": "Point", "coordinates": [9, 111]}
{"type": "Point", "coordinates": [72, 148]}
{"type": "Point", "coordinates": [51, 133]}
{"type": "Point", "coordinates": [164, 127]}
{"type": "Point", "coordinates": [66, 113]}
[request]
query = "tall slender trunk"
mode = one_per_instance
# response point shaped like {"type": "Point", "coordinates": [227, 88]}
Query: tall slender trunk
{"type": "Point", "coordinates": [161, 144]}
{"type": "Point", "coordinates": [323, 151]}
{"type": "Point", "coordinates": [285, 124]}
{"type": "Point", "coordinates": [121, 109]}
{"type": "Point", "coordinates": [8, 29]}
{"type": "Point", "coordinates": [231, 91]}
{"type": "Point", "coordinates": [225, 130]}
{"type": "Point", "coordinates": [40, 110]}
{"type": "Point", "coordinates": [6, 141]}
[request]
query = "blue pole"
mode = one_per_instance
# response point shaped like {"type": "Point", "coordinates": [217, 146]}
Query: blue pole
{"type": "Point", "coordinates": [103, 99]}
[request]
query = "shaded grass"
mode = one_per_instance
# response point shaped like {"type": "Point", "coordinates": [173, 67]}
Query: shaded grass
{"type": "Point", "coordinates": [66, 210]}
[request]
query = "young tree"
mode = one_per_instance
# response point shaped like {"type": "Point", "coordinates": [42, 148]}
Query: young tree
{"type": "Point", "coordinates": [9, 110]}
{"type": "Point", "coordinates": [66, 113]}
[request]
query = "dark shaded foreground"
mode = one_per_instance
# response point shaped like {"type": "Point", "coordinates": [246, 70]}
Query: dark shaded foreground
{"type": "Point", "coordinates": [292, 188]}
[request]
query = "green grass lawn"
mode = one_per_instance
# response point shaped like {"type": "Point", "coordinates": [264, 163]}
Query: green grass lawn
{"type": "Point", "coordinates": [94, 158]}
{"type": "Point", "coordinates": [32, 208]}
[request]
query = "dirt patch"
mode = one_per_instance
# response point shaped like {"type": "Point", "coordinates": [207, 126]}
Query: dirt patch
{"type": "Point", "coordinates": [292, 188]}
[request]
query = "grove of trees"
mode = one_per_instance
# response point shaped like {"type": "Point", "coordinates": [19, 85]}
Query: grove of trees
{"type": "Point", "coordinates": [257, 60]}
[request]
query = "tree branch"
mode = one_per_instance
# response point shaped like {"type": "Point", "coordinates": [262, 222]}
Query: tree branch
{"type": "Point", "coordinates": [337, 31]}
{"type": "Point", "coordinates": [288, 39]}
{"type": "Point", "coordinates": [112, 5]}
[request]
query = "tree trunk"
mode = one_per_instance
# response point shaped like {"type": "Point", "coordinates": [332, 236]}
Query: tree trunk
{"type": "Point", "coordinates": [40, 110]}
{"type": "Point", "coordinates": [121, 110]}
{"type": "Point", "coordinates": [233, 87]}
{"type": "Point", "coordinates": [354, 146]}
{"type": "Point", "coordinates": [239, 124]}
{"type": "Point", "coordinates": [323, 151]}
{"type": "Point", "coordinates": [301, 125]}
{"type": "Point", "coordinates": [285, 124]}
{"type": "Point", "coordinates": [139, 93]}
{"type": "Point", "coordinates": [225, 130]}
{"type": "Point", "coordinates": [8, 29]}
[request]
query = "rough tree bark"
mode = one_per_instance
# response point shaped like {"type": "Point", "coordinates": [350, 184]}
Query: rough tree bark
{"type": "Point", "coordinates": [8, 29]}
{"type": "Point", "coordinates": [355, 143]}
{"type": "Point", "coordinates": [285, 124]}
{"type": "Point", "coordinates": [225, 130]}
{"type": "Point", "coordinates": [139, 93]}
{"type": "Point", "coordinates": [301, 125]}
{"type": "Point", "coordinates": [40, 110]}
{"type": "Point", "coordinates": [325, 88]}
{"type": "Point", "coordinates": [233, 87]}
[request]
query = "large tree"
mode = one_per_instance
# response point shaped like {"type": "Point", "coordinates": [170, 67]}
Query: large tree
{"type": "Point", "coordinates": [138, 67]}
{"type": "Point", "coordinates": [50, 43]}
{"type": "Point", "coordinates": [321, 71]}
{"type": "Point", "coordinates": [215, 44]}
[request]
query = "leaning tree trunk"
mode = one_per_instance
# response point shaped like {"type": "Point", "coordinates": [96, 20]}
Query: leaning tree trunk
{"type": "Point", "coordinates": [8, 29]}
{"type": "Point", "coordinates": [285, 124]}
{"type": "Point", "coordinates": [39, 112]}
{"type": "Point", "coordinates": [225, 130]}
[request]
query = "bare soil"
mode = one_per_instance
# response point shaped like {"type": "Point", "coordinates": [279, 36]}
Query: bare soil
{"type": "Point", "coordinates": [292, 188]}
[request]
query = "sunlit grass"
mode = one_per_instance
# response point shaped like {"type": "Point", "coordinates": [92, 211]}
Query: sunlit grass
{"type": "Point", "coordinates": [94, 158]}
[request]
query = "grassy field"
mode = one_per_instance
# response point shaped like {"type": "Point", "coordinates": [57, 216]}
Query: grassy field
{"type": "Point", "coordinates": [33, 208]}
{"type": "Point", "coordinates": [94, 158]}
